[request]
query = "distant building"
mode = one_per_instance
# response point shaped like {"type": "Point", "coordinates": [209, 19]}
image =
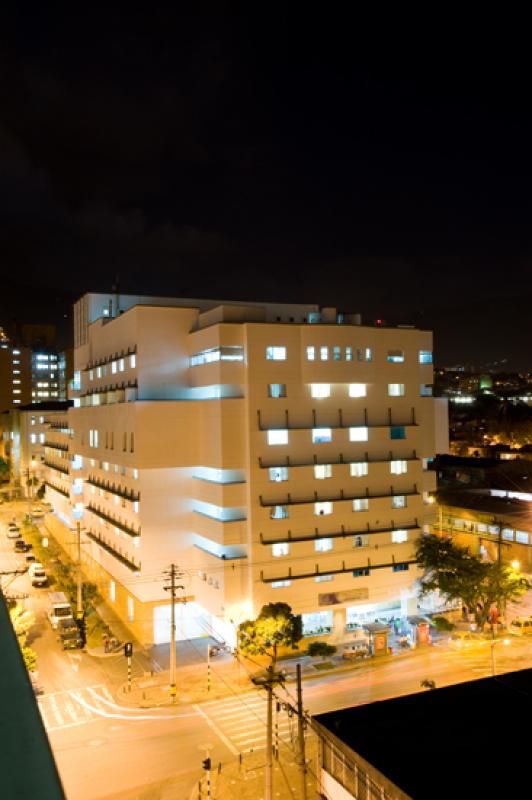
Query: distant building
{"type": "Point", "coordinates": [398, 749]}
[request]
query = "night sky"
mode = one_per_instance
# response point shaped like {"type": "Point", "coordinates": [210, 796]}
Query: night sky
{"type": "Point", "coordinates": [311, 158]}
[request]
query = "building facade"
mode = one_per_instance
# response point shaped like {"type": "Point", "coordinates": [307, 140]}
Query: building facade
{"type": "Point", "coordinates": [271, 452]}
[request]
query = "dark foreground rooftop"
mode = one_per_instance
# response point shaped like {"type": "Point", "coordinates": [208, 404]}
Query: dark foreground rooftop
{"type": "Point", "coordinates": [464, 741]}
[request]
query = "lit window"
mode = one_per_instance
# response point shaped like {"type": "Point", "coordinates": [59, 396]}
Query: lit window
{"type": "Point", "coordinates": [41, 438]}
{"type": "Point", "coordinates": [98, 372]}
{"type": "Point", "coordinates": [395, 356]}
{"type": "Point", "coordinates": [359, 434]}
{"type": "Point", "coordinates": [16, 380]}
{"type": "Point", "coordinates": [323, 578]}
{"type": "Point", "coordinates": [360, 541]}
{"type": "Point", "coordinates": [337, 353]}
{"type": "Point", "coordinates": [277, 389]}
{"type": "Point", "coordinates": [324, 353]}
{"type": "Point", "coordinates": [323, 545]}
{"type": "Point", "coordinates": [400, 568]}
{"type": "Point", "coordinates": [348, 353]}
{"type": "Point", "coordinates": [16, 372]}
{"type": "Point", "coordinates": [133, 361]}
{"type": "Point", "coordinates": [324, 508]}
{"type": "Point", "coordinates": [16, 352]}
{"type": "Point", "coordinates": [135, 473]}
{"type": "Point", "coordinates": [114, 367]}
{"type": "Point", "coordinates": [17, 391]}
{"type": "Point", "coordinates": [357, 390]}
{"type": "Point", "coordinates": [91, 375]}
{"type": "Point", "coordinates": [425, 389]}
{"type": "Point", "coordinates": [278, 474]}
{"type": "Point", "coordinates": [398, 467]}
{"type": "Point", "coordinates": [399, 536]}
{"type": "Point", "coordinates": [33, 438]}
{"type": "Point", "coordinates": [279, 512]}
{"type": "Point", "coordinates": [278, 437]}
{"type": "Point", "coordinates": [360, 573]}
{"type": "Point", "coordinates": [280, 549]}
{"type": "Point", "coordinates": [397, 432]}
{"type": "Point", "coordinates": [130, 609]}
{"type": "Point", "coordinates": [280, 584]}
{"type": "Point", "coordinates": [358, 469]}
{"type": "Point", "coordinates": [521, 537]}
{"type": "Point", "coordinates": [105, 466]}
{"type": "Point", "coordinates": [16, 401]}
{"type": "Point", "coordinates": [321, 435]}
{"type": "Point", "coordinates": [322, 471]}
{"type": "Point", "coordinates": [33, 420]}
{"type": "Point", "coordinates": [121, 365]}
{"type": "Point", "coordinates": [311, 352]}
{"type": "Point", "coordinates": [425, 357]}
{"type": "Point", "coordinates": [16, 361]}
{"type": "Point", "coordinates": [364, 354]}
{"type": "Point", "coordinates": [136, 506]}
{"type": "Point", "coordinates": [399, 501]}
{"type": "Point", "coordinates": [276, 353]}
{"type": "Point", "coordinates": [320, 389]}
{"type": "Point", "coordinates": [396, 389]}
{"type": "Point", "coordinates": [361, 504]}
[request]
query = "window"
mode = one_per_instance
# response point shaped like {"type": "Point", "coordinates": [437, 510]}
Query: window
{"type": "Point", "coordinates": [311, 352]}
{"type": "Point", "coordinates": [133, 361]}
{"type": "Point", "coordinates": [398, 467]}
{"type": "Point", "coordinates": [357, 390]}
{"type": "Point", "coordinates": [348, 353]}
{"type": "Point", "coordinates": [361, 504]}
{"type": "Point", "coordinates": [33, 420]}
{"type": "Point", "coordinates": [136, 506]}
{"type": "Point", "coordinates": [280, 549]}
{"type": "Point", "coordinates": [278, 437]}
{"type": "Point", "coordinates": [98, 372]}
{"type": "Point", "coordinates": [18, 391]}
{"type": "Point", "coordinates": [93, 438]}
{"type": "Point", "coordinates": [521, 537]}
{"type": "Point", "coordinates": [278, 474]}
{"type": "Point", "coordinates": [425, 357]}
{"type": "Point", "coordinates": [112, 591]}
{"type": "Point", "coordinates": [135, 473]}
{"type": "Point", "coordinates": [278, 512]}
{"type": "Point", "coordinates": [508, 534]}
{"type": "Point", "coordinates": [131, 442]}
{"type": "Point", "coordinates": [114, 367]}
{"type": "Point", "coordinates": [274, 353]}
{"type": "Point", "coordinates": [41, 438]}
{"type": "Point", "coordinates": [281, 584]}
{"type": "Point", "coordinates": [323, 545]}
{"type": "Point", "coordinates": [396, 389]}
{"type": "Point", "coordinates": [425, 389]}
{"type": "Point", "coordinates": [121, 365]}
{"type": "Point", "coordinates": [399, 536]}
{"type": "Point", "coordinates": [17, 380]}
{"type": "Point", "coordinates": [322, 471]}
{"type": "Point", "coordinates": [360, 573]}
{"type": "Point", "coordinates": [324, 508]}
{"type": "Point", "coordinates": [321, 435]}
{"type": "Point", "coordinates": [399, 501]}
{"type": "Point", "coordinates": [360, 541]}
{"type": "Point", "coordinates": [33, 438]}
{"type": "Point", "coordinates": [320, 389]}
{"type": "Point", "coordinates": [322, 578]}
{"type": "Point", "coordinates": [397, 432]}
{"type": "Point", "coordinates": [277, 390]}
{"type": "Point", "coordinates": [359, 434]}
{"type": "Point", "coordinates": [395, 356]}
{"type": "Point", "coordinates": [130, 609]}
{"type": "Point", "coordinates": [337, 353]}
{"type": "Point", "coordinates": [400, 568]}
{"type": "Point", "coordinates": [358, 469]}
{"type": "Point", "coordinates": [324, 353]}
{"type": "Point", "coordinates": [91, 375]}
{"type": "Point", "coordinates": [364, 354]}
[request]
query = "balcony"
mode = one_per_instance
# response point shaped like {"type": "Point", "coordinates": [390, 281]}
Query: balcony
{"type": "Point", "coordinates": [292, 462]}
{"type": "Point", "coordinates": [367, 568]}
{"type": "Point", "coordinates": [57, 488]}
{"type": "Point", "coordinates": [122, 526]}
{"type": "Point", "coordinates": [341, 534]}
{"type": "Point", "coordinates": [62, 469]}
{"type": "Point", "coordinates": [326, 421]}
{"type": "Point", "coordinates": [124, 559]}
{"type": "Point", "coordinates": [57, 446]}
{"type": "Point", "coordinates": [288, 500]}
{"type": "Point", "coordinates": [112, 488]}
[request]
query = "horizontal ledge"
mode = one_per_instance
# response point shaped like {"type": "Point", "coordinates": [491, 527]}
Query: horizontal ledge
{"type": "Point", "coordinates": [344, 569]}
{"type": "Point", "coordinates": [340, 459]}
{"type": "Point", "coordinates": [290, 501]}
{"type": "Point", "coordinates": [117, 524]}
{"type": "Point", "coordinates": [222, 557]}
{"type": "Point", "coordinates": [217, 519]}
{"type": "Point", "coordinates": [57, 489]}
{"type": "Point", "coordinates": [339, 534]}
{"type": "Point", "coordinates": [64, 470]}
{"type": "Point", "coordinates": [337, 426]}
{"type": "Point", "coordinates": [108, 549]}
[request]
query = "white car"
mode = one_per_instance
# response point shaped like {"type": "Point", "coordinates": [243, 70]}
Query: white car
{"type": "Point", "coordinates": [37, 511]}
{"type": "Point", "coordinates": [13, 533]}
{"type": "Point", "coordinates": [37, 574]}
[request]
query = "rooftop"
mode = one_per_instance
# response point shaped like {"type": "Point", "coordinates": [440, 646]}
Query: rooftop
{"type": "Point", "coordinates": [461, 741]}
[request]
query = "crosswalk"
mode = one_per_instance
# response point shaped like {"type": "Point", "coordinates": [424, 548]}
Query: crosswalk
{"type": "Point", "coordinates": [240, 722]}
{"type": "Point", "coordinates": [73, 707]}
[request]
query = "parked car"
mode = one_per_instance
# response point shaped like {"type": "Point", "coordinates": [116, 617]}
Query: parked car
{"type": "Point", "coordinates": [66, 625]}
{"type": "Point", "coordinates": [21, 546]}
{"type": "Point", "coordinates": [30, 558]}
{"type": "Point", "coordinates": [71, 640]}
{"type": "Point", "coordinates": [462, 640]}
{"type": "Point", "coordinates": [521, 626]}
{"type": "Point", "coordinates": [13, 533]}
{"type": "Point", "coordinates": [356, 650]}
{"type": "Point", "coordinates": [37, 573]}
{"type": "Point", "coordinates": [37, 511]}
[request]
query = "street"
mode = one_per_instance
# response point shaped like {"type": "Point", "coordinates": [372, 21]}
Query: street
{"type": "Point", "coordinates": [105, 748]}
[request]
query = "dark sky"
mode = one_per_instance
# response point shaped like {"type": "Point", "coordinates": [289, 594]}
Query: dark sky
{"type": "Point", "coordinates": [315, 158]}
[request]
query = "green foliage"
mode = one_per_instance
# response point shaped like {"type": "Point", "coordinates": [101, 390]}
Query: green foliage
{"type": "Point", "coordinates": [443, 624]}
{"type": "Point", "coordinates": [275, 627]}
{"type": "Point", "coordinates": [41, 491]}
{"type": "Point", "coordinates": [22, 620]}
{"type": "Point", "coordinates": [321, 649]}
{"type": "Point", "coordinates": [459, 575]}
{"type": "Point", "coordinates": [30, 658]}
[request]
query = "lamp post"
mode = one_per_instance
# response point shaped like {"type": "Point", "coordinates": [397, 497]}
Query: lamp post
{"type": "Point", "coordinates": [29, 477]}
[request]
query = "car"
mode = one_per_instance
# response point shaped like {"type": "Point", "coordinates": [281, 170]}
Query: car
{"type": "Point", "coordinates": [30, 558]}
{"type": "Point", "coordinates": [356, 650]}
{"type": "Point", "coordinates": [66, 625]}
{"type": "Point", "coordinates": [21, 546]}
{"type": "Point", "coordinates": [71, 640]}
{"type": "Point", "coordinates": [37, 574]}
{"type": "Point", "coordinates": [37, 511]}
{"type": "Point", "coordinates": [463, 640]}
{"type": "Point", "coordinates": [521, 626]}
{"type": "Point", "coordinates": [13, 533]}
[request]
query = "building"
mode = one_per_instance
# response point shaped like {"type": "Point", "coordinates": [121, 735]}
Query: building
{"type": "Point", "coordinates": [271, 452]}
{"type": "Point", "coordinates": [401, 749]}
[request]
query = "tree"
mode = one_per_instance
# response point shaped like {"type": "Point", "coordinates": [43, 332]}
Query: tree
{"type": "Point", "coordinates": [459, 575]}
{"type": "Point", "coordinates": [22, 620]}
{"type": "Point", "coordinates": [321, 649]}
{"type": "Point", "coordinates": [275, 627]}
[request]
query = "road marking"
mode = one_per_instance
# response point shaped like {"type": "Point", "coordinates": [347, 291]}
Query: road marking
{"type": "Point", "coordinates": [217, 730]}
{"type": "Point", "coordinates": [55, 709]}
{"type": "Point", "coordinates": [140, 718]}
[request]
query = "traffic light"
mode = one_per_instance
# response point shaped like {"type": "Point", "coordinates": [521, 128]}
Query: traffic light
{"type": "Point", "coordinates": [206, 764]}
{"type": "Point", "coordinates": [128, 649]}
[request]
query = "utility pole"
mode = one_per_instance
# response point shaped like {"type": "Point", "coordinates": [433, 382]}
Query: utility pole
{"type": "Point", "coordinates": [79, 594]}
{"type": "Point", "coordinates": [267, 682]}
{"type": "Point", "coordinates": [173, 573]}
{"type": "Point", "coordinates": [301, 737]}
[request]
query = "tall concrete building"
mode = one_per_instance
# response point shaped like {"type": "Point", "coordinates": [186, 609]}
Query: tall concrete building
{"type": "Point", "coordinates": [271, 452]}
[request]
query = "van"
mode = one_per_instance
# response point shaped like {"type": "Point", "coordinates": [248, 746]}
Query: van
{"type": "Point", "coordinates": [521, 626]}
{"type": "Point", "coordinates": [37, 574]}
{"type": "Point", "coordinates": [59, 607]}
